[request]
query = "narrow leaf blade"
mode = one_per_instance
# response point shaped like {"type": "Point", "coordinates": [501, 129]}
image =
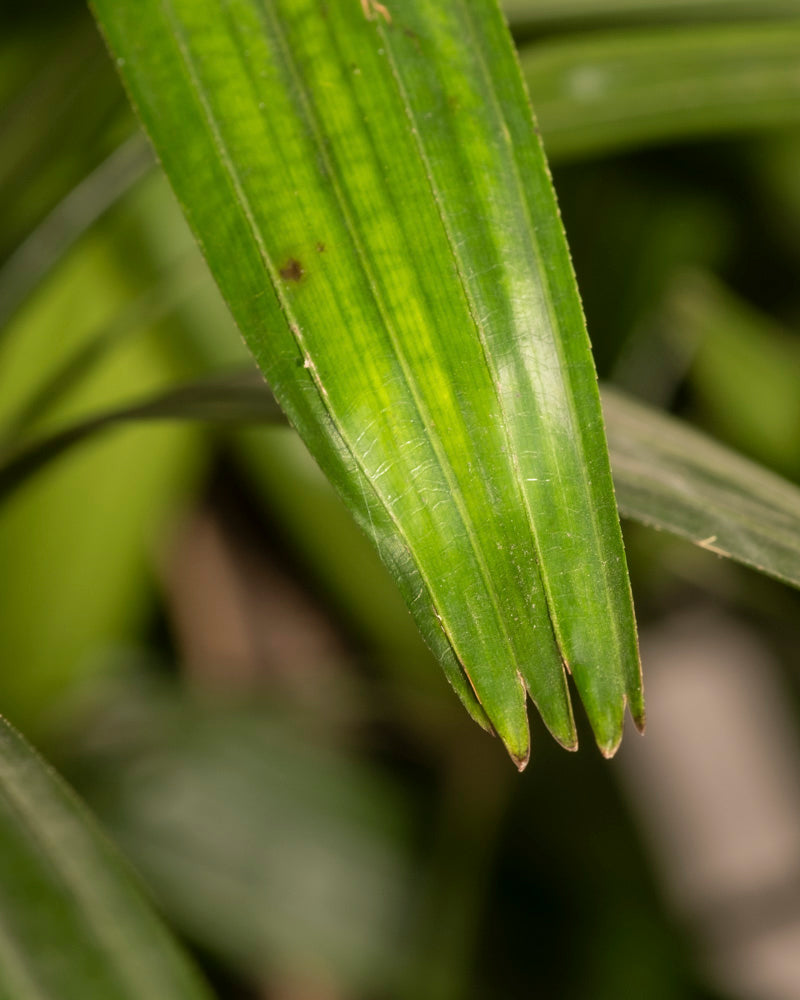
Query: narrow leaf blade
{"type": "Point", "coordinates": [549, 12]}
{"type": "Point", "coordinates": [419, 325]}
{"type": "Point", "coordinates": [239, 398]}
{"type": "Point", "coordinates": [674, 478]}
{"type": "Point", "coordinates": [606, 91]}
{"type": "Point", "coordinates": [667, 474]}
{"type": "Point", "coordinates": [72, 922]}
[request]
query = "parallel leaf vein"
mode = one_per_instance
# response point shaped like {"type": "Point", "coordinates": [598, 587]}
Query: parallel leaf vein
{"type": "Point", "coordinates": [396, 344]}
{"type": "Point", "coordinates": [241, 198]}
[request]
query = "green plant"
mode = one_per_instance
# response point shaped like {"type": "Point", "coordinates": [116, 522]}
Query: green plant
{"type": "Point", "coordinates": [368, 190]}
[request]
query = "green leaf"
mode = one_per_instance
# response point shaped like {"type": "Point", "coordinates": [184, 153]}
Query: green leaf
{"type": "Point", "coordinates": [667, 474]}
{"type": "Point", "coordinates": [725, 336]}
{"type": "Point", "coordinates": [548, 12]}
{"type": "Point", "coordinates": [379, 170]}
{"type": "Point", "coordinates": [73, 923]}
{"type": "Point", "coordinates": [77, 541]}
{"type": "Point", "coordinates": [674, 478]}
{"type": "Point", "coordinates": [61, 113]}
{"type": "Point", "coordinates": [601, 92]}
{"type": "Point", "coordinates": [302, 831]}
{"type": "Point", "coordinates": [237, 398]}
{"type": "Point", "coordinates": [69, 219]}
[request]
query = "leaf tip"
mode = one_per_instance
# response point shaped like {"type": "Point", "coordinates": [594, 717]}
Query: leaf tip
{"type": "Point", "coordinates": [608, 750]}
{"type": "Point", "coordinates": [571, 745]}
{"type": "Point", "coordinates": [518, 746]}
{"type": "Point", "coordinates": [520, 760]}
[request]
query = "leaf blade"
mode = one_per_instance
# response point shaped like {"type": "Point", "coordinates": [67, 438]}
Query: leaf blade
{"type": "Point", "coordinates": [607, 91]}
{"type": "Point", "coordinates": [300, 162]}
{"type": "Point", "coordinates": [674, 478]}
{"type": "Point", "coordinates": [537, 12]}
{"type": "Point", "coordinates": [685, 499]}
{"type": "Point", "coordinates": [72, 922]}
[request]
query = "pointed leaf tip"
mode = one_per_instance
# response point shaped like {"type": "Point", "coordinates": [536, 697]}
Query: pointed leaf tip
{"type": "Point", "coordinates": [521, 762]}
{"type": "Point", "coordinates": [434, 358]}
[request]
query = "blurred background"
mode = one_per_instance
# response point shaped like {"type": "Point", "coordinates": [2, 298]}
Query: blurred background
{"type": "Point", "coordinates": [196, 635]}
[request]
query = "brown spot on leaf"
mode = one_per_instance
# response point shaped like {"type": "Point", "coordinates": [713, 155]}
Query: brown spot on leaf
{"type": "Point", "coordinates": [320, 248]}
{"type": "Point", "coordinates": [292, 270]}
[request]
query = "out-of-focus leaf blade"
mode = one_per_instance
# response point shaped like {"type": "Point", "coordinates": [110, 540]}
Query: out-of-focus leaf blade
{"type": "Point", "coordinates": [549, 12]}
{"type": "Point", "coordinates": [667, 474]}
{"type": "Point", "coordinates": [62, 114]}
{"type": "Point", "coordinates": [726, 336]}
{"type": "Point", "coordinates": [78, 540]}
{"type": "Point", "coordinates": [601, 92]}
{"type": "Point", "coordinates": [69, 219]}
{"type": "Point", "coordinates": [378, 169]}
{"type": "Point", "coordinates": [73, 924]}
{"type": "Point", "coordinates": [674, 478]}
{"type": "Point", "coordinates": [240, 398]}
{"type": "Point", "coordinates": [302, 831]}
{"type": "Point", "coordinates": [153, 306]}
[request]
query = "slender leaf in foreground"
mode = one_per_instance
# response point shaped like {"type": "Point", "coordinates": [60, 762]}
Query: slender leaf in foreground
{"type": "Point", "coordinates": [672, 477]}
{"type": "Point", "coordinates": [370, 194]}
{"type": "Point", "coordinates": [601, 92]}
{"type": "Point", "coordinates": [73, 925]}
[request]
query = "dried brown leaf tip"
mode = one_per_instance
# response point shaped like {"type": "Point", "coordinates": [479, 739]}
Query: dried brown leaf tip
{"type": "Point", "coordinates": [372, 9]}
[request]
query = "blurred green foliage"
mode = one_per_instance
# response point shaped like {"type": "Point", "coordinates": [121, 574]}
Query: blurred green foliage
{"type": "Point", "coordinates": [331, 825]}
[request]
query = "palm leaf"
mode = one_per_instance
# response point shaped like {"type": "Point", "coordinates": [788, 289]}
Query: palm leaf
{"type": "Point", "coordinates": [373, 202]}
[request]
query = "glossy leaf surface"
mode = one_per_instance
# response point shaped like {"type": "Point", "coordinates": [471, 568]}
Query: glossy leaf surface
{"type": "Point", "coordinates": [372, 200]}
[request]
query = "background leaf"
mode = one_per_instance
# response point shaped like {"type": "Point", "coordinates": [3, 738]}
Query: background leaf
{"type": "Point", "coordinates": [72, 922]}
{"type": "Point", "coordinates": [75, 541]}
{"type": "Point", "coordinates": [605, 91]}
{"type": "Point", "coordinates": [671, 477]}
{"type": "Point", "coordinates": [283, 801]}
{"type": "Point", "coordinates": [240, 398]}
{"type": "Point", "coordinates": [536, 12]}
